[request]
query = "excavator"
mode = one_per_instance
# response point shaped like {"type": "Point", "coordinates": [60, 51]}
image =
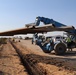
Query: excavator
{"type": "Point", "coordinates": [49, 45]}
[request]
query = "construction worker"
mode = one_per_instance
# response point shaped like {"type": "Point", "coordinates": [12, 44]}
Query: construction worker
{"type": "Point", "coordinates": [35, 37]}
{"type": "Point", "coordinates": [69, 42]}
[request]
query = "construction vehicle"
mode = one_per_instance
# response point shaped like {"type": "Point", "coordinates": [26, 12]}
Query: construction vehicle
{"type": "Point", "coordinates": [47, 45]}
{"type": "Point", "coordinates": [60, 46]}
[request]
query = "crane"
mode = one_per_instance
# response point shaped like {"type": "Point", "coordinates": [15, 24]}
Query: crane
{"type": "Point", "coordinates": [47, 45]}
{"type": "Point", "coordinates": [58, 47]}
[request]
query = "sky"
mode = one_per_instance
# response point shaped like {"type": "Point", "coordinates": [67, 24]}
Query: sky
{"type": "Point", "coordinates": [16, 13]}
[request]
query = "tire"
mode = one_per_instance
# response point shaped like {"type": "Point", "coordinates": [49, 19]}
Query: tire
{"type": "Point", "coordinates": [60, 48]}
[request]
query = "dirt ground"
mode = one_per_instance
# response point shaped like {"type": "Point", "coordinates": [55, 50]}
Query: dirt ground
{"type": "Point", "coordinates": [49, 63]}
{"type": "Point", "coordinates": [45, 63]}
{"type": "Point", "coordinates": [10, 63]}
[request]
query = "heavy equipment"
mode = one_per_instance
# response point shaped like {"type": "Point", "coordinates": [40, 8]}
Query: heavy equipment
{"type": "Point", "coordinates": [48, 45]}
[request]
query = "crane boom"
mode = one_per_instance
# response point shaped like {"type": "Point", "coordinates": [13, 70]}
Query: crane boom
{"type": "Point", "coordinates": [51, 21]}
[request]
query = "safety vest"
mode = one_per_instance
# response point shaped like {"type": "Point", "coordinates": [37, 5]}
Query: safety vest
{"type": "Point", "coordinates": [68, 40]}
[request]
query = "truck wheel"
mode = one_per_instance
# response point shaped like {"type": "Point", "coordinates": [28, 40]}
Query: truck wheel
{"type": "Point", "coordinates": [60, 48]}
